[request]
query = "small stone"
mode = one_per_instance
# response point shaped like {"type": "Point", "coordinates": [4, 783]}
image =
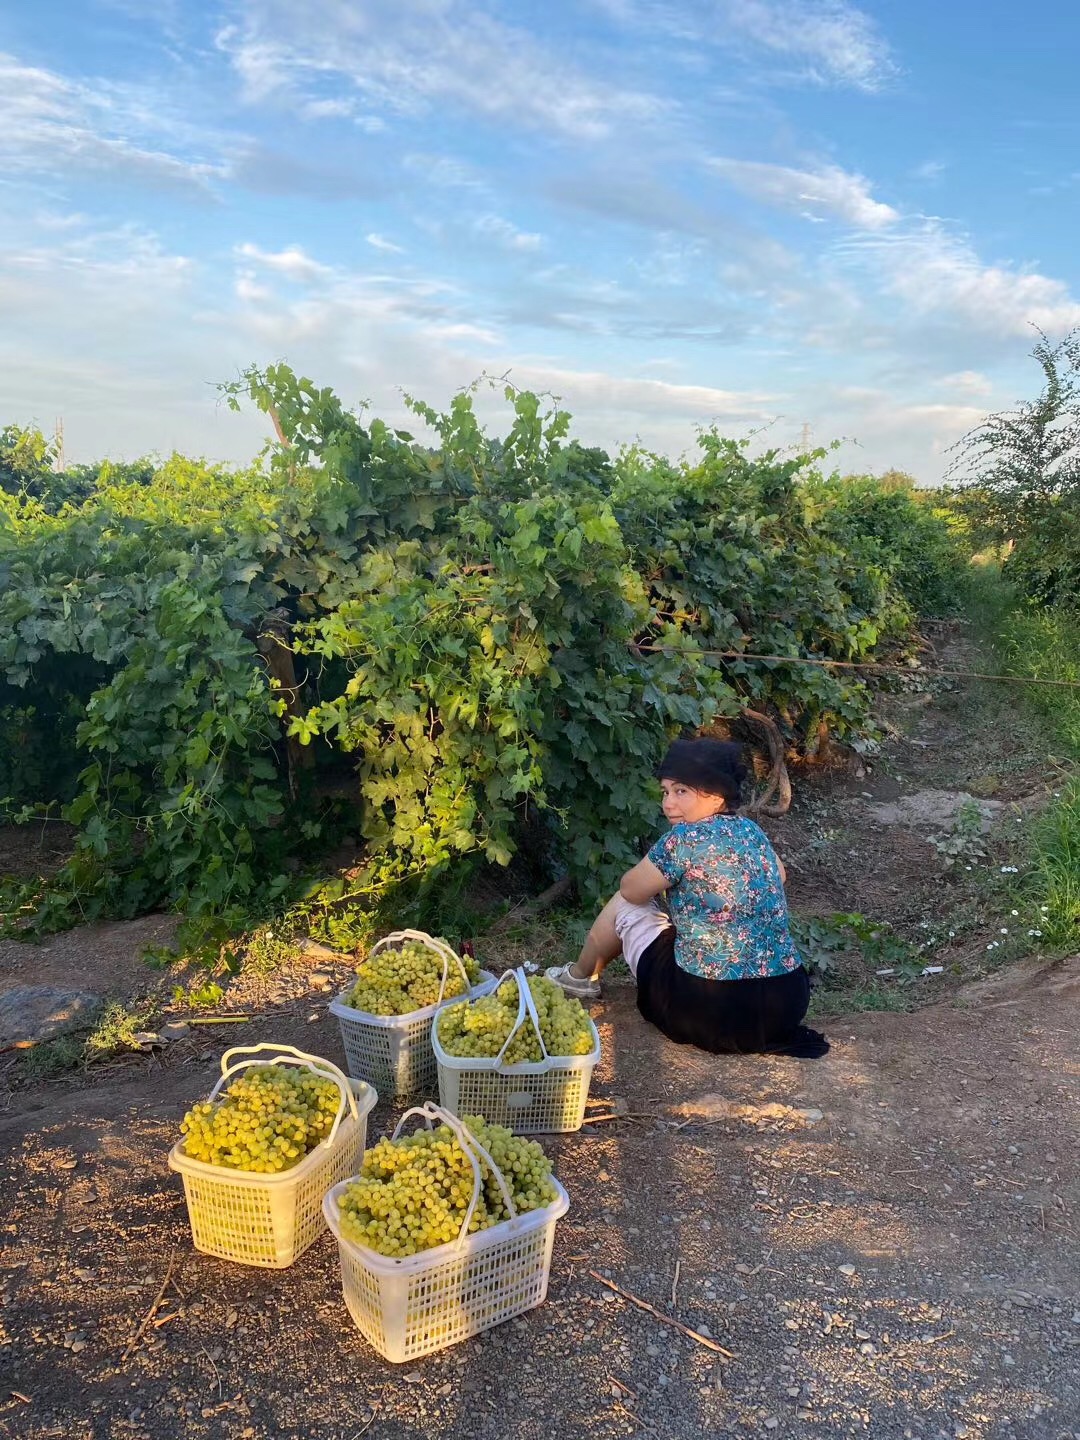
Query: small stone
{"type": "Point", "coordinates": [846, 1269]}
{"type": "Point", "coordinates": [446, 1389]}
{"type": "Point", "coordinates": [413, 1377]}
{"type": "Point", "coordinates": [175, 1030]}
{"type": "Point", "coordinates": [866, 1348]}
{"type": "Point", "coordinates": [811, 1114]}
{"type": "Point", "coordinates": [609, 1297]}
{"type": "Point", "coordinates": [77, 1345]}
{"type": "Point", "coordinates": [862, 1334]}
{"type": "Point", "coordinates": [772, 1423]}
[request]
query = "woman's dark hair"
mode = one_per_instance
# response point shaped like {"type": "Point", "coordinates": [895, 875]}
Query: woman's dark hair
{"type": "Point", "coordinates": [713, 766]}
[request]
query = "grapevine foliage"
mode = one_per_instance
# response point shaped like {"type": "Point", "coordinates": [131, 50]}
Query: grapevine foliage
{"type": "Point", "coordinates": [448, 644]}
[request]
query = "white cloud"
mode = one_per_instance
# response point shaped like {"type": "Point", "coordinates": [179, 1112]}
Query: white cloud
{"type": "Point", "coordinates": [839, 193]}
{"type": "Point", "coordinates": [52, 124]}
{"type": "Point", "coordinates": [824, 42]}
{"type": "Point", "coordinates": [414, 58]}
{"type": "Point", "coordinates": [380, 242]}
{"type": "Point", "coordinates": [495, 227]}
{"type": "Point", "coordinates": [966, 382]}
{"type": "Point", "coordinates": [829, 41]}
{"type": "Point", "coordinates": [292, 262]}
{"type": "Point", "coordinates": [938, 276]}
{"type": "Point", "coordinates": [604, 394]}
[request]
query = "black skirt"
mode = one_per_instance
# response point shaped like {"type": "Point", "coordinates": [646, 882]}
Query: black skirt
{"type": "Point", "coordinates": [725, 1016]}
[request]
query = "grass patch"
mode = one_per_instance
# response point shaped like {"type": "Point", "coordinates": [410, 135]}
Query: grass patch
{"type": "Point", "coordinates": [113, 1034]}
{"type": "Point", "coordinates": [1043, 644]}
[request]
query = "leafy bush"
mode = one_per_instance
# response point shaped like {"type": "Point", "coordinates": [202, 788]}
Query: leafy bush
{"type": "Point", "coordinates": [478, 639]}
{"type": "Point", "coordinates": [906, 531]}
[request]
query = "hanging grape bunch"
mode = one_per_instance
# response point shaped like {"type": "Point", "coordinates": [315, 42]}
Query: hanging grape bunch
{"type": "Point", "coordinates": [267, 1120]}
{"type": "Point", "coordinates": [397, 982]}
{"type": "Point", "coordinates": [413, 1193]}
{"type": "Point", "coordinates": [478, 1028]}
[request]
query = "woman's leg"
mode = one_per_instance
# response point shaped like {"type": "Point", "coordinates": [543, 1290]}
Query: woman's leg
{"type": "Point", "coordinates": [602, 945]}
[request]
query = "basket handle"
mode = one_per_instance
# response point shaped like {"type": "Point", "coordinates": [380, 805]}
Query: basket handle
{"type": "Point", "coordinates": [445, 952]}
{"type": "Point", "coordinates": [290, 1055]}
{"type": "Point", "coordinates": [473, 1148]}
{"type": "Point", "coordinates": [526, 1006]}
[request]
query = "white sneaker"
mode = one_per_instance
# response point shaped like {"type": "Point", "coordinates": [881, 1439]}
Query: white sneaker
{"type": "Point", "coordinates": [580, 989]}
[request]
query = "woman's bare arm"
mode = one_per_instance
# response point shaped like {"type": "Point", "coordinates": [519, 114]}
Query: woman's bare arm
{"type": "Point", "coordinates": [643, 883]}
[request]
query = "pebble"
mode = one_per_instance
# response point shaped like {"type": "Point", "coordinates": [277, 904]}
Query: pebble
{"type": "Point", "coordinates": [772, 1423]}
{"type": "Point", "coordinates": [846, 1269]}
{"type": "Point", "coordinates": [413, 1376]}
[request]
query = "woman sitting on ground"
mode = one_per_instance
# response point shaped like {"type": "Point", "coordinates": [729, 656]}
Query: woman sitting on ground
{"type": "Point", "coordinates": [715, 966]}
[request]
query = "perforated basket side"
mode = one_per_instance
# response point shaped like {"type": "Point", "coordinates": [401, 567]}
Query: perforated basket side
{"type": "Point", "coordinates": [549, 1102]}
{"type": "Point", "coordinates": [268, 1220]}
{"type": "Point", "coordinates": [411, 1308]}
{"type": "Point", "coordinates": [543, 1098]}
{"type": "Point", "coordinates": [393, 1052]}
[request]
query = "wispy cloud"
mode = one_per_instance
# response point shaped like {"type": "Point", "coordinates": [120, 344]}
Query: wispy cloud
{"type": "Point", "coordinates": [826, 41]}
{"type": "Point", "coordinates": [938, 276]}
{"type": "Point", "coordinates": [823, 42]}
{"type": "Point", "coordinates": [53, 124]}
{"type": "Point", "coordinates": [380, 242]}
{"type": "Point", "coordinates": [506, 234]}
{"type": "Point", "coordinates": [832, 190]}
{"type": "Point", "coordinates": [408, 59]}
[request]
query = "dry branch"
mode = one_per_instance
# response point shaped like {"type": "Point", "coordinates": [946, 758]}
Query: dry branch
{"type": "Point", "coordinates": [659, 1314]}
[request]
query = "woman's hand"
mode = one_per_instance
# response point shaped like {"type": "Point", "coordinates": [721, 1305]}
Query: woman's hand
{"type": "Point", "coordinates": [643, 883]}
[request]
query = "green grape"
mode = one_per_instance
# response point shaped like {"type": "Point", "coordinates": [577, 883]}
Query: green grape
{"type": "Point", "coordinates": [267, 1120]}
{"type": "Point", "coordinates": [479, 1028]}
{"type": "Point", "coordinates": [413, 1193]}
{"type": "Point", "coordinates": [399, 981]}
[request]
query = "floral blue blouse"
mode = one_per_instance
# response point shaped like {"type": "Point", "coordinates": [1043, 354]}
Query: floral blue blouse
{"type": "Point", "coordinates": [726, 899]}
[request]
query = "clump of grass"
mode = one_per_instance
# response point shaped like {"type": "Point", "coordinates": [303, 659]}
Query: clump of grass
{"type": "Point", "coordinates": [1055, 874]}
{"type": "Point", "coordinates": [113, 1034]}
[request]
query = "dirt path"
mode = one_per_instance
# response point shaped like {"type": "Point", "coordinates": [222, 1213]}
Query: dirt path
{"type": "Point", "coordinates": [905, 1266]}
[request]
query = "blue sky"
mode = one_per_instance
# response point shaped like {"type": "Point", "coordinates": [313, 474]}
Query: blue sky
{"type": "Point", "coordinates": [760, 213]}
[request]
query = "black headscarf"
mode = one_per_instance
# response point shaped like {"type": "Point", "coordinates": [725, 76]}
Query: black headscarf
{"type": "Point", "coordinates": [713, 766]}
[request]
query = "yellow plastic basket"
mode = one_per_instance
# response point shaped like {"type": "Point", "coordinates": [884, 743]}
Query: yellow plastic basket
{"type": "Point", "coordinates": [422, 1303]}
{"type": "Point", "coordinates": [531, 1098]}
{"type": "Point", "coordinates": [393, 1052]}
{"type": "Point", "coordinates": [269, 1220]}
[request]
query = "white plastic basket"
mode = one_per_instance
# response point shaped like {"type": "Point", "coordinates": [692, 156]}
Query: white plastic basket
{"type": "Point", "coordinates": [269, 1220]}
{"type": "Point", "coordinates": [534, 1097]}
{"type": "Point", "coordinates": [393, 1052]}
{"type": "Point", "coordinates": [411, 1307]}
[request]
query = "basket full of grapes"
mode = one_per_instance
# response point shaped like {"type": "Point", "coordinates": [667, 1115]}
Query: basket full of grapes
{"type": "Point", "coordinates": [444, 1232]}
{"type": "Point", "coordinates": [522, 1055]}
{"type": "Point", "coordinates": [385, 1015]}
{"type": "Point", "coordinates": [277, 1131]}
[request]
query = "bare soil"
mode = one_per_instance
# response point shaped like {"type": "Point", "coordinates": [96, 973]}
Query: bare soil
{"type": "Point", "coordinates": [904, 1266]}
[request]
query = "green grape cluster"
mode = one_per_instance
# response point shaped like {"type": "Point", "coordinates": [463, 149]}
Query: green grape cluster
{"type": "Point", "coordinates": [413, 1193]}
{"type": "Point", "coordinates": [397, 982]}
{"type": "Point", "coordinates": [266, 1121]}
{"type": "Point", "coordinates": [479, 1027]}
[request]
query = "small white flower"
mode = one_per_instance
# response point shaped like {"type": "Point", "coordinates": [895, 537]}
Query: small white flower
{"type": "Point", "coordinates": [1015, 912]}
{"type": "Point", "coordinates": [952, 934]}
{"type": "Point", "coordinates": [1004, 930]}
{"type": "Point", "coordinates": [1039, 933]}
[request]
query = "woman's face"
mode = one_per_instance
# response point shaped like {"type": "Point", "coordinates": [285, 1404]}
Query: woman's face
{"type": "Point", "coordinates": [682, 805]}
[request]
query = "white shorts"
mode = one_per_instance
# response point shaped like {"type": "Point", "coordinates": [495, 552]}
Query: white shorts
{"type": "Point", "coordinates": [637, 926]}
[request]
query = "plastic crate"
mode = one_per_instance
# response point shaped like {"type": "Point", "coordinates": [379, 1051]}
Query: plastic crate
{"type": "Point", "coordinates": [531, 1098]}
{"type": "Point", "coordinates": [269, 1220]}
{"type": "Point", "coordinates": [393, 1052]}
{"type": "Point", "coordinates": [411, 1307]}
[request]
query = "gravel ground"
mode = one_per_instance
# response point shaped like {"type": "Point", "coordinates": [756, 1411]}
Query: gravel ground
{"type": "Point", "coordinates": [903, 1266]}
